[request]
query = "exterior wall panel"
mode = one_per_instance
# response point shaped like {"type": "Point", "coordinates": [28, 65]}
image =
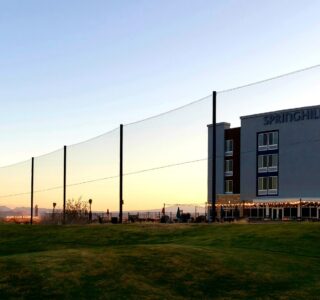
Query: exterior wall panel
{"type": "Point", "coordinates": [299, 152]}
{"type": "Point", "coordinates": [220, 132]}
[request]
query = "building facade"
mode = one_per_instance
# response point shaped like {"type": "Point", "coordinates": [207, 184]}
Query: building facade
{"type": "Point", "coordinates": [272, 159]}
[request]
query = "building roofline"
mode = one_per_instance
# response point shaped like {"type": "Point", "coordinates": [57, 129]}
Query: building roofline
{"type": "Point", "coordinates": [278, 111]}
{"type": "Point", "coordinates": [281, 200]}
{"type": "Point", "coordinates": [238, 127]}
{"type": "Point", "coordinates": [220, 123]}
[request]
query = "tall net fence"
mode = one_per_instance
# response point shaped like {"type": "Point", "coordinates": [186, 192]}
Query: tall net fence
{"type": "Point", "coordinates": [48, 182]}
{"type": "Point", "coordinates": [267, 134]}
{"type": "Point", "coordinates": [165, 158]}
{"type": "Point", "coordinates": [93, 172]}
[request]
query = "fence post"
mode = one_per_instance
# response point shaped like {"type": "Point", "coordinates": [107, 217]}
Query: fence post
{"type": "Point", "coordinates": [32, 185]}
{"type": "Point", "coordinates": [64, 182]}
{"type": "Point", "coordinates": [213, 163]}
{"type": "Point", "coordinates": [121, 175]}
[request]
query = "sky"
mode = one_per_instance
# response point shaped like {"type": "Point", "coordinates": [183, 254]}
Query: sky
{"type": "Point", "coordinates": [72, 70]}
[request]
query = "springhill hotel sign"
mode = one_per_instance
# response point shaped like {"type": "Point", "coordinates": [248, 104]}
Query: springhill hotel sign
{"type": "Point", "coordinates": [292, 116]}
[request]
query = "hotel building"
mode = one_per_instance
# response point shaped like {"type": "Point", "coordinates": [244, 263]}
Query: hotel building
{"type": "Point", "coordinates": [269, 167]}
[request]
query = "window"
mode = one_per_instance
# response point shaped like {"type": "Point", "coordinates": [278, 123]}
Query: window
{"type": "Point", "coordinates": [262, 186]}
{"type": "Point", "coordinates": [229, 186]}
{"type": "Point", "coordinates": [273, 163]}
{"type": "Point", "coordinates": [268, 163]}
{"type": "Point", "coordinates": [262, 163]}
{"type": "Point", "coordinates": [228, 168]}
{"type": "Point", "coordinates": [263, 141]}
{"type": "Point", "coordinates": [268, 141]}
{"type": "Point", "coordinates": [273, 140]}
{"type": "Point", "coordinates": [268, 185]}
{"type": "Point", "coordinates": [229, 148]}
{"type": "Point", "coordinates": [273, 185]}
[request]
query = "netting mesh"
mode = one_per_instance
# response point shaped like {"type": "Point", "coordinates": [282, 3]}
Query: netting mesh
{"type": "Point", "coordinates": [48, 181]}
{"type": "Point", "coordinates": [93, 171]}
{"type": "Point", "coordinates": [279, 136]}
{"type": "Point", "coordinates": [291, 91]}
{"type": "Point", "coordinates": [165, 158]}
{"type": "Point", "coordinates": [15, 182]}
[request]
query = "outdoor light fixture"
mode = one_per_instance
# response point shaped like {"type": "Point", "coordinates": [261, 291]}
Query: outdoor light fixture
{"type": "Point", "coordinates": [90, 212]}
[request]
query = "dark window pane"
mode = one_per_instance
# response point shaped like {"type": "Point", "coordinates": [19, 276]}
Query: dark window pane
{"type": "Point", "coordinates": [294, 212]}
{"type": "Point", "coordinates": [286, 212]}
{"type": "Point", "coordinates": [305, 212]}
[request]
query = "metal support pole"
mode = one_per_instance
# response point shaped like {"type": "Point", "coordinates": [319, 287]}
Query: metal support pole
{"type": "Point", "coordinates": [32, 185]}
{"type": "Point", "coordinates": [300, 208]}
{"type": "Point", "coordinates": [121, 175]}
{"type": "Point", "coordinates": [213, 162]}
{"type": "Point", "coordinates": [64, 182]}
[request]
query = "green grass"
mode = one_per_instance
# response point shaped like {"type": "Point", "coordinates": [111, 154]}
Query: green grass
{"type": "Point", "coordinates": [231, 261]}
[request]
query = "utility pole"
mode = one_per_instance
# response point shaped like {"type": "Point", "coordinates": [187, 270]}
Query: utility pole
{"type": "Point", "coordinates": [121, 174]}
{"type": "Point", "coordinates": [213, 162]}
{"type": "Point", "coordinates": [32, 186]}
{"type": "Point", "coordinates": [64, 182]}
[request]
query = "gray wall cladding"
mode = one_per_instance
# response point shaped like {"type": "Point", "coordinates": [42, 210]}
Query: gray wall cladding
{"type": "Point", "coordinates": [299, 152]}
{"type": "Point", "coordinates": [220, 128]}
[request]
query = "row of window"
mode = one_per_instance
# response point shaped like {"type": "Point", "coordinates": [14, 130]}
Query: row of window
{"type": "Point", "coordinates": [228, 167]}
{"type": "Point", "coordinates": [268, 185]}
{"type": "Point", "coordinates": [268, 141]}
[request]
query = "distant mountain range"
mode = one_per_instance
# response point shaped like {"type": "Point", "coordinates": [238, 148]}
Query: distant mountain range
{"type": "Point", "coordinates": [19, 211]}
{"type": "Point", "coordinates": [25, 211]}
{"type": "Point", "coordinates": [4, 208]}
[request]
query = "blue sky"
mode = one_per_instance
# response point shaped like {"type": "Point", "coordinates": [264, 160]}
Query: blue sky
{"type": "Point", "coordinates": [70, 70]}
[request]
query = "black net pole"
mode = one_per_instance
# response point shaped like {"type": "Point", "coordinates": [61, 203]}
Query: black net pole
{"type": "Point", "coordinates": [213, 158]}
{"type": "Point", "coordinates": [121, 175]}
{"type": "Point", "coordinates": [64, 182]}
{"type": "Point", "coordinates": [32, 186]}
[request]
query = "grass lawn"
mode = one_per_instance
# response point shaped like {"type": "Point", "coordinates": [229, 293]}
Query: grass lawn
{"type": "Point", "coordinates": [222, 261]}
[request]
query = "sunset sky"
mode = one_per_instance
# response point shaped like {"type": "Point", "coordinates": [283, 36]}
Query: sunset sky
{"type": "Point", "coordinates": [72, 70]}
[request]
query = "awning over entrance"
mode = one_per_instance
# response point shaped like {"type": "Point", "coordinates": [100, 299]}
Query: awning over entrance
{"type": "Point", "coordinates": [286, 200]}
